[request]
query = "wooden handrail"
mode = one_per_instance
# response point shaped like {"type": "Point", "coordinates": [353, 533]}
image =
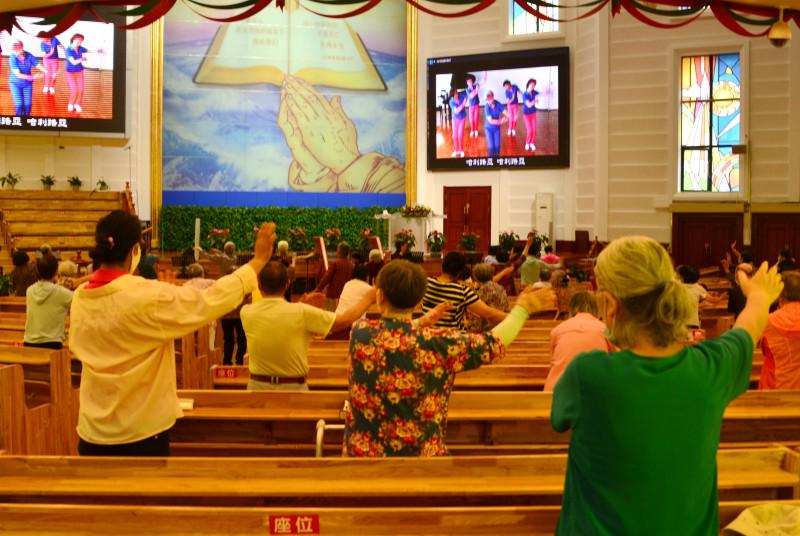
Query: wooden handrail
{"type": "Point", "coordinates": [127, 199]}
{"type": "Point", "coordinates": [7, 238]}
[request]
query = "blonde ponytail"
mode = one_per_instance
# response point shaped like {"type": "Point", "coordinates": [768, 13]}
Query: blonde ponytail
{"type": "Point", "coordinates": [638, 272]}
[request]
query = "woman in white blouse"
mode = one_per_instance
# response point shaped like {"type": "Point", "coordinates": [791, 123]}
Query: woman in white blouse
{"type": "Point", "coordinates": [123, 329]}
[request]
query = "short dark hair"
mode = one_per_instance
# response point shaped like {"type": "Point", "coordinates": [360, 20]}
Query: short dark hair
{"type": "Point", "coordinates": [273, 278]}
{"type": "Point", "coordinates": [76, 36]}
{"type": "Point", "coordinates": [47, 266]}
{"type": "Point", "coordinates": [360, 271]}
{"type": "Point", "coordinates": [115, 235]}
{"type": "Point", "coordinates": [343, 249]}
{"type": "Point", "coordinates": [20, 258]}
{"type": "Point", "coordinates": [583, 302]}
{"type": "Point", "coordinates": [529, 82]}
{"type": "Point", "coordinates": [548, 249]}
{"type": "Point", "coordinates": [688, 274]}
{"type": "Point", "coordinates": [357, 257]}
{"type": "Point", "coordinates": [471, 76]}
{"type": "Point", "coordinates": [791, 286]}
{"type": "Point", "coordinates": [403, 284]}
{"type": "Point", "coordinates": [506, 83]}
{"type": "Point", "coordinates": [544, 276]}
{"type": "Point", "coordinates": [747, 256]}
{"type": "Point", "coordinates": [786, 253]}
{"type": "Point", "coordinates": [453, 263]}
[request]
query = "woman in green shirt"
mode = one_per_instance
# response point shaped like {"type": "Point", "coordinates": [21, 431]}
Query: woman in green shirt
{"type": "Point", "coordinates": [646, 420]}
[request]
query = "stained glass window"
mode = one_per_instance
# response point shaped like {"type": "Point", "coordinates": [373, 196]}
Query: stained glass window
{"type": "Point", "coordinates": [523, 23]}
{"type": "Point", "coordinates": [710, 123]}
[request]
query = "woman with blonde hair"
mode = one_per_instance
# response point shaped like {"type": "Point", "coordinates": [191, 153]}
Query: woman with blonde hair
{"type": "Point", "coordinates": [646, 420]}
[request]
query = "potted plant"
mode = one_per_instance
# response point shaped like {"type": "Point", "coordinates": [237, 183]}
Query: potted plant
{"type": "Point", "coordinates": [416, 211]}
{"type": "Point", "coordinates": [218, 237]}
{"type": "Point", "coordinates": [47, 182]}
{"type": "Point", "coordinates": [469, 241]}
{"type": "Point", "coordinates": [102, 186]}
{"type": "Point", "coordinates": [406, 236]}
{"type": "Point", "coordinates": [436, 242]}
{"type": "Point", "coordinates": [507, 240]}
{"type": "Point", "coordinates": [538, 242]}
{"type": "Point", "coordinates": [10, 180]}
{"type": "Point", "coordinates": [298, 240]}
{"type": "Point", "coordinates": [75, 183]}
{"type": "Point", "coordinates": [332, 237]}
{"type": "Point", "coordinates": [5, 284]}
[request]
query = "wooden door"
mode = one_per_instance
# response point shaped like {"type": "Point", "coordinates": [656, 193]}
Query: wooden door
{"type": "Point", "coordinates": [773, 233]}
{"type": "Point", "coordinates": [468, 208]}
{"type": "Point", "coordinates": [701, 240]}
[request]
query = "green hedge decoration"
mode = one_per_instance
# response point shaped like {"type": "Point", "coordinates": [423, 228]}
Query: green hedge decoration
{"type": "Point", "coordinates": [177, 223]}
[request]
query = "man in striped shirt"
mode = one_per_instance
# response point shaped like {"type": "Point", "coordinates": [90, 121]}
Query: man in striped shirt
{"type": "Point", "coordinates": [446, 288]}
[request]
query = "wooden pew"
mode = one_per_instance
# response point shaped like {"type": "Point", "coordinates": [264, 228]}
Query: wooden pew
{"type": "Point", "coordinates": [514, 377]}
{"type": "Point", "coordinates": [59, 519]}
{"type": "Point", "coordinates": [195, 360]}
{"type": "Point", "coordinates": [13, 304]}
{"type": "Point", "coordinates": [283, 423]}
{"type": "Point", "coordinates": [743, 474]}
{"type": "Point", "coordinates": [33, 424]}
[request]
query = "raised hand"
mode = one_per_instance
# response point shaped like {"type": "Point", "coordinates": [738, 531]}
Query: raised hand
{"type": "Point", "coordinates": [765, 283]}
{"type": "Point", "coordinates": [537, 300]}
{"type": "Point", "coordinates": [264, 246]}
{"type": "Point", "coordinates": [312, 169]}
{"type": "Point", "coordinates": [326, 131]}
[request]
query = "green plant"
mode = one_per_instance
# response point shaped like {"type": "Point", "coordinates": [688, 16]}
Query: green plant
{"type": "Point", "coordinates": [10, 180]}
{"type": "Point", "coordinates": [406, 236]}
{"type": "Point", "coordinates": [218, 237]}
{"type": "Point", "coordinates": [332, 237]}
{"type": "Point", "coordinates": [507, 240]}
{"type": "Point", "coordinates": [436, 241]}
{"type": "Point", "coordinates": [177, 222]}
{"type": "Point", "coordinates": [75, 182]}
{"type": "Point", "coordinates": [416, 211]}
{"type": "Point", "coordinates": [298, 239]}
{"type": "Point", "coordinates": [102, 186]}
{"type": "Point", "coordinates": [538, 242]}
{"type": "Point", "coordinates": [48, 180]}
{"type": "Point", "coordinates": [469, 241]}
{"type": "Point", "coordinates": [5, 284]}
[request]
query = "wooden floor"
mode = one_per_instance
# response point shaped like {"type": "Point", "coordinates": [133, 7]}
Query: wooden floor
{"type": "Point", "coordinates": [97, 95]}
{"type": "Point", "coordinates": [546, 138]}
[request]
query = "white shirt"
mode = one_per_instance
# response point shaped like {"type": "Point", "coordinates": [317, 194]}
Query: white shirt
{"type": "Point", "coordinates": [542, 284]}
{"type": "Point", "coordinates": [352, 293]}
{"type": "Point", "coordinates": [124, 334]}
{"type": "Point", "coordinates": [696, 294]}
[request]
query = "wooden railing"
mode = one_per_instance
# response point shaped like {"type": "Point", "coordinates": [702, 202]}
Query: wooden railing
{"type": "Point", "coordinates": [8, 240]}
{"type": "Point", "coordinates": [127, 200]}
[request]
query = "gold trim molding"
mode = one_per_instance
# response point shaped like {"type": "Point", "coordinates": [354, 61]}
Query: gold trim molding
{"type": "Point", "coordinates": [412, 27]}
{"type": "Point", "coordinates": [156, 124]}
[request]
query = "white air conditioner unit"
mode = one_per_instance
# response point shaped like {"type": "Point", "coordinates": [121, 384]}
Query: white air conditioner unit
{"type": "Point", "coordinates": [544, 216]}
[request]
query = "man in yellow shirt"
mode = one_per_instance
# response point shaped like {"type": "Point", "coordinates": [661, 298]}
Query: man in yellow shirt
{"type": "Point", "coordinates": [279, 333]}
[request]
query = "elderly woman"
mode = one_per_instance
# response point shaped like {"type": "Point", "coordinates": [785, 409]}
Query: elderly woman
{"type": "Point", "coordinates": [490, 292]}
{"type": "Point", "coordinates": [374, 265]}
{"type": "Point", "coordinates": [288, 261]}
{"type": "Point", "coordinates": [123, 329]}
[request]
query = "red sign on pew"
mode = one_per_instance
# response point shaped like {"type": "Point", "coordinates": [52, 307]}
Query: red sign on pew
{"type": "Point", "coordinates": [294, 524]}
{"type": "Point", "coordinates": [226, 372]}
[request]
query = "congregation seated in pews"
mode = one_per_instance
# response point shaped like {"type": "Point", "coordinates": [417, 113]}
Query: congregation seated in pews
{"type": "Point", "coordinates": [659, 431]}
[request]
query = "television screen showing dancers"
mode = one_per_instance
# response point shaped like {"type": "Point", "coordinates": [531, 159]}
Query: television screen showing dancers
{"type": "Point", "coordinates": [62, 82]}
{"type": "Point", "coordinates": [503, 116]}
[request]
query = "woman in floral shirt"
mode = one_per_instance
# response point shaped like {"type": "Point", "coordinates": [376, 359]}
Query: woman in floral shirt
{"type": "Point", "coordinates": [401, 374]}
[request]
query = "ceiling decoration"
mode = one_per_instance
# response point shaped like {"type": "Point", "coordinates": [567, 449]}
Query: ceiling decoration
{"type": "Point", "coordinates": [750, 18]}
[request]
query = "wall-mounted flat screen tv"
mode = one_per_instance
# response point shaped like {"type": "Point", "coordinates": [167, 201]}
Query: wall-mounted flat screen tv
{"type": "Point", "coordinates": [72, 82]}
{"type": "Point", "coordinates": [499, 110]}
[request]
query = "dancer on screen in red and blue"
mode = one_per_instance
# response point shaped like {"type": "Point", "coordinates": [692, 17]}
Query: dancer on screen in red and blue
{"type": "Point", "coordinates": [474, 103]}
{"type": "Point", "coordinates": [21, 77]}
{"type": "Point", "coordinates": [458, 105]}
{"type": "Point", "coordinates": [529, 101]}
{"type": "Point", "coordinates": [50, 47]}
{"type": "Point", "coordinates": [76, 57]}
{"type": "Point", "coordinates": [495, 117]}
{"type": "Point", "coordinates": [512, 102]}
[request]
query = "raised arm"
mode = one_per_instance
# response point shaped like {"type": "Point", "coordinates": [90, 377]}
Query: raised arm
{"type": "Point", "coordinates": [479, 308]}
{"type": "Point", "coordinates": [761, 290]}
{"type": "Point", "coordinates": [346, 318]}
